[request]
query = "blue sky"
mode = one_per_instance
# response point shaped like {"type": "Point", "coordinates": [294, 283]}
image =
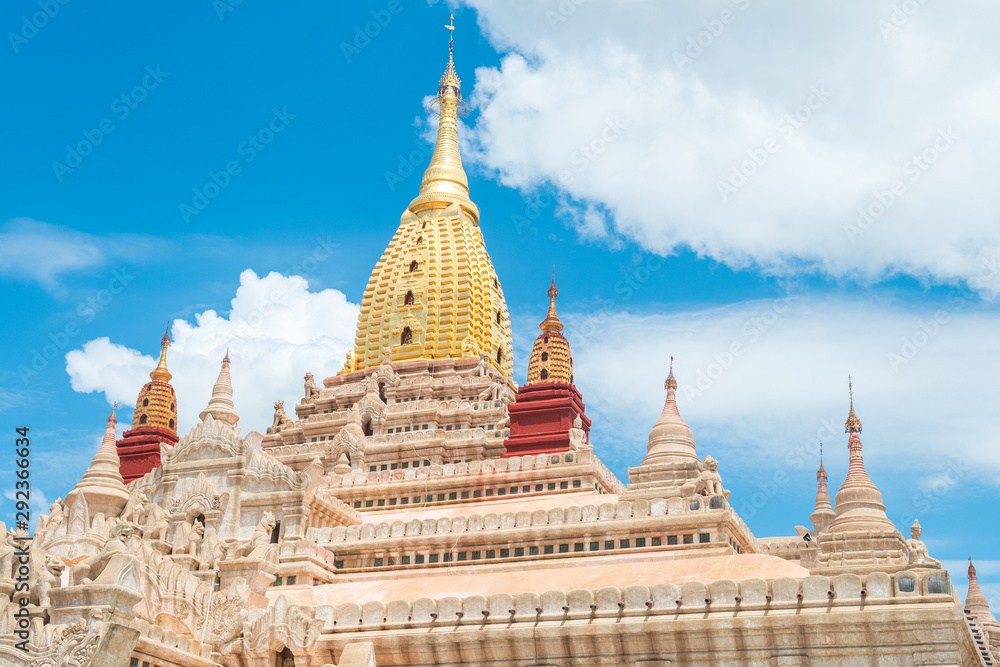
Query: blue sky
{"type": "Point", "coordinates": [597, 144]}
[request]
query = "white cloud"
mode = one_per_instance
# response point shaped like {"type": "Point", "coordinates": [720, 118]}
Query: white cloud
{"type": "Point", "coordinates": [662, 136]}
{"type": "Point", "coordinates": [762, 382]}
{"type": "Point", "coordinates": [39, 252]}
{"type": "Point", "coordinates": [275, 331]}
{"type": "Point", "coordinates": [36, 251]}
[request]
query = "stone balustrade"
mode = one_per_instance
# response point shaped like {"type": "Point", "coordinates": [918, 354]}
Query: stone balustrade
{"type": "Point", "coordinates": [170, 639]}
{"type": "Point", "coordinates": [611, 602]}
{"type": "Point", "coordinates": [483, 467]}
{"type": "Point", "coordinates": [622, 509]}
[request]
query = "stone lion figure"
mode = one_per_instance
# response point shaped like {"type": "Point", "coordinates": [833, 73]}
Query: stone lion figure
{"type": "Point", "coordinates": [117, 544]}
{"type": "Point", "coordinates": [261, 537]}
{"type": "Point", "coordinates": [48, 579]}
{"type": "Point", "coordinates": [312, 389]}
{"type": "Point", "coordinates": [710, 480]}
{"type": "Point", "coordinates": [280, 418]}
{"type": "Point", "coordinates": [189, 537]}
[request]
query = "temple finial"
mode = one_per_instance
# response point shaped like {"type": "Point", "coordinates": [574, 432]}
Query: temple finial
{"type": "Point", "coordinates": [822, 471]}
{"type": "Point", "coordinates": [551, 323]}
{"type": "Point", "coordinates": [445, 182]}
{"type": "Point", "coordinates": [160, 373]}
{"type": "Point", "coordinates": [853, 423]}
{"type": "Point", "coordinates": [671, 382]}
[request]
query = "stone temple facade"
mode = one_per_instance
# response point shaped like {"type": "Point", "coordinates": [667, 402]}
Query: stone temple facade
{"type": "Point", "coordinates": [420, 508]}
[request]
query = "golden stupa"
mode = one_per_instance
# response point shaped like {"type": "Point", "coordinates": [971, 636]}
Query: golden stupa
{"type": "Point", "coordinates": [434, 293]}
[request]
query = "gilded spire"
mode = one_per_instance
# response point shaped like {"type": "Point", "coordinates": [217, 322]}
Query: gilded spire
{"type": "Point", "coordinates": [852, 423]}
{"type": "Point", "coordinates": [160, 373]}
{"type": "Point", "coordinates": [551, 323]}
{"type": "Point", "coordinates": [156, 405]}
{"type": "Point", "coordinates": [551, 359]}
{"type": "Point", "coordinates": [444, 181]}
{"type": "Point", "coordinates": [221, 406]}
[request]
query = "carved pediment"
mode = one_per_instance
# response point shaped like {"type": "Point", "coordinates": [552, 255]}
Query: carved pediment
{"type": "Point", "coordinates": [262, 466]}
{"type": "Point", "coordinates": [199, 498]}
{"type": "Point", "coordinates": [209, 434]}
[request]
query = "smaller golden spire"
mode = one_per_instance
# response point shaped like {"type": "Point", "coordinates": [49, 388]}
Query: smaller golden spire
{"type": "Point", "coordinates": [821, 473]}
{"type": "Point", "coordinates": [853, 423]}
{"type": "Point", "coordinates": [160, 373]}
{"type": "Point", "coordinates": [551, 323]}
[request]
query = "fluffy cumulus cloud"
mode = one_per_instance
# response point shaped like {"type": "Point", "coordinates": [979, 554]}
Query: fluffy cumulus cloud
{"type": "Point", "coordinates": [39, 252]}
{"type": "Point", "coordinates": [275, 331]}
{"type": "Point", "coordinates": [858, 139]}
{"type": "Point", "coordinates": [762, 383]}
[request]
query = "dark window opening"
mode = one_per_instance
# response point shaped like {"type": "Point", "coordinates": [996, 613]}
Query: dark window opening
{"type": "Point", "coordinates": [499, 355]}
{"type": "Point", "coordinates": [275, 532]}
{"type": "Point", "coordinates": [498, 317]}
{"type": "Point", "coordinates": [408, 299]}
{"type": "Point", "coordinates": [544, 374]}
{"type": "Point", "coordinates": [171, 423]}
{"type": "Point", "coordinates": [142, 419]}
{"type": "Point", "coordinates": [545, 356]}
{"type": "Point", "coordinates": [145, 402]}
{"type": "Point", "coordinates": [285, 659]}
{"type": "Point", "coordinates": [413, 266]}
{"type": "Point", "coordinates": [366, 426]}
{"type": "Point", "coordinates": [407, 336]}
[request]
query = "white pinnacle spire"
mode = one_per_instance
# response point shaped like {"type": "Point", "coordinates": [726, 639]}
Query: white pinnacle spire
{"type": "Point", "coordinates": [101, 485]}
{"type": "Point", "coordinates": [221, 405]}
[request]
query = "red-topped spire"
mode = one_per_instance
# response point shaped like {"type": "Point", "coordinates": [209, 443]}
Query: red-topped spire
{"type": "Point", "coordinates": [670, 384]}
{"type": "Point", "coordinates": [823, 514]}
{"type": "Point", "coordinates": [976, 602]}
